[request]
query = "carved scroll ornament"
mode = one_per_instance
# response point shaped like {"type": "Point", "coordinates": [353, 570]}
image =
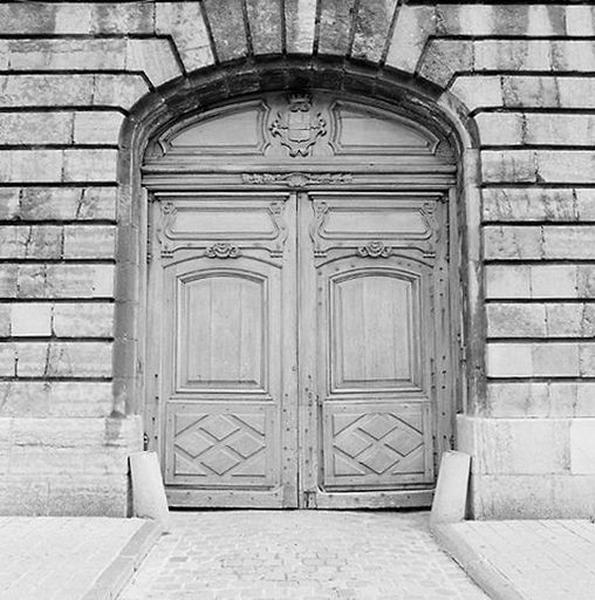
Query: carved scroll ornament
{"type": "Point", "coordinates": [222, 250]}
{"type": "Point", "coordinates": [375, 249]}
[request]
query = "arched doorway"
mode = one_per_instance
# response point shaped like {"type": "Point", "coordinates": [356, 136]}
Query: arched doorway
{"type": "Point", "coordinates": [300, 346]}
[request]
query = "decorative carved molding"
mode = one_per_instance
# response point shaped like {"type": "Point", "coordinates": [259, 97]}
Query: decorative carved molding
{"type": "Point", "coordinates": [222, 250]}
{"type": "Point", "coordinates": [375, 249]}
{"type": "Point", "coordinates": [321, 210]}
{"type": "Point", "coordinates": [168, 215]}
{"type": "Point", "coordinates": [297, 179]}
{"type": "Point", "coordinates": [297, 127]}
{"type": "Point", "coordinates": [276, 210]}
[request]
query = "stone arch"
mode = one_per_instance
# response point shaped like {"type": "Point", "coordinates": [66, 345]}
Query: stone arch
{"type": "Point", "coordinates": [417, 99]}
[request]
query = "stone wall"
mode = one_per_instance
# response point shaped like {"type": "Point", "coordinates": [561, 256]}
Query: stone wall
{"type": "Point", "coordinates": [521, 75]}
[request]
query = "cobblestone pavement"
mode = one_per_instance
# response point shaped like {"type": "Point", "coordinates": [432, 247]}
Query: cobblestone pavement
{"type": "Point", "coordinates": [299, 555]}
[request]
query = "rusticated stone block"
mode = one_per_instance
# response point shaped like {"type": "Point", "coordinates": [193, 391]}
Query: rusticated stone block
{"type": "Point", "coordinates": [26, 166]}
{"type": "Point", "coordinates": [5, 320]}
{"type": "Point", "coordinates": [547, 242]}
{"type": "Point", "coordinates": [560, 359]}
{"type": "Point", "coordinates": [300, 23]}
{"type": "Point", "coordinates": [570, 320]}
{"type": "Point", "coordinates": [227, 26]}
{"type": "Point", "coordinates": [527, 204]}
{"type": "Point", "coordinates": [372, 25]}
{"type": "Point", "coordinates": [505, 129]}
{"type": "Point", "coordinates": [559, 129]}
{"type": "Point", "coordinates": [46, 90]}
{"type": "Point", "coordinates": [335, 26]}
{"type": "Point", "coordinates": [443, 58]}
{"type": "Point", "coordinates": [94, 127]}
{"type": "Point", "coordinates": [31, 319]}
{"type": "Point", "coordinates": [516, 320]}
{"type": "Point", "coordinates": [58, 203]}
{"type": "Point", "coordinates": [89, 241]}
{"type": "Point", "coordinates": [7, 359]}
{"type": "Point", "coordinates": [529, 399]}
{"type": "Point", "coordinates": [185, 23]}
{"type": "Point", "coordinates": [514, 166]}
{"type": "Point", "coordinates": [90, 165]}
{"type": "Point", "coordinates": [554, 281]}
{"type": "Point", "coordinates": [413, 26]}
{"type": "Point", "coordinates": [36, 241]}
{"type": "Point", "coordinates": [154, 57]}
{"type": "Point", "coordinates": [31, 359]}
{"type": "Point", "coordinates": [120, 17]}
{"type": "Point", "coordinates": [36, 128]}
{"type": "Point", "coordinates": [508, 446]}
{"type": "Point", "coordinates": [566, 166]}
{"type": "Point", "coordinates": [78, 359]}
{"type": "Point", "coordinates": [476, 91]}
{"type": "Point", "coordinates": [83, 320]}
{"type": "Point", "coordinates": [118, 90]}
{"type": "Point", "coordinates": [58, 281]}
{"type": "Point", "coordinates": [56, 399]}
{"type": "Point", "coordinates": [513, 55]}
{"type": "Point", "coordinates": [264, 18]}
{"type": "Point", "coordinates": [515, 19]}
{"type": "Point", "coordinates": [580, 20]}
{"type": "Point", "coordinates": [511, 242]}
{"type": "Point", "coordinates": [57, 54]}
{"type": "Point", "coordinates": [548, 91]}
{"type": "Point", "coordinates": [510, 281]}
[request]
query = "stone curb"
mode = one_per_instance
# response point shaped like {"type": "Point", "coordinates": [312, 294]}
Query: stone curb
{"type": "Point", "coordinates": [487, 576]}
{"type": "Point", "coordinates": [116, 575]}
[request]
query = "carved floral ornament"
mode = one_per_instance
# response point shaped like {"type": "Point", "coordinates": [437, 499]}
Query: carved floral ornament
{"type": "Point", "coordinates": [297, 179]}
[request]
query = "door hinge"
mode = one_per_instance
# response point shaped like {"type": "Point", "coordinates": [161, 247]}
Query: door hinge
{"type": "Point", "coordinates": [145, 441]}
{"type": "Point", "coordinates": [310, 499]}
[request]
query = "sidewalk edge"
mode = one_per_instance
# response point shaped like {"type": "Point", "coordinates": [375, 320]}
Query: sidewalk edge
{"type": "Point", "coordinates": [487, 576]}
{"type": "Point", "coordinates": [117, 574]}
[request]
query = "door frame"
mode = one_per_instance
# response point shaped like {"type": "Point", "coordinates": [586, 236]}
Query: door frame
{"type": "Point", "coordinates": [295, 178]}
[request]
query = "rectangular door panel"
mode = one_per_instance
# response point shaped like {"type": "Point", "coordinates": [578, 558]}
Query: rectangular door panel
{"type": "Point", "coordinates": [369, 393]}
{"type": "Point", "coordinates": [376, 444]}
{"type": "Point", "coordinates": [222, 446]}
{"type": "Point", "coordinates": [227, 365]}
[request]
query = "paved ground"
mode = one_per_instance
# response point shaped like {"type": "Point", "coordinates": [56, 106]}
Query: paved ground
{"type": "Point", "coordinates": [58, 558]}
{"type": "Point", "coordinates": [528, 560]}
{"type": "Point", "coordinates": [299, 555]}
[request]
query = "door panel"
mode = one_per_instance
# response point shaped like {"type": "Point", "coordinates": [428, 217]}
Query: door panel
{"type": "Point", "coordinates": [227, 365]}
{"type": "Point", "coordinates": [369, 389]}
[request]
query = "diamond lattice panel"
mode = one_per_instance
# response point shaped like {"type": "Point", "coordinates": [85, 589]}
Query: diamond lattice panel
{"type": "Point", "coordinates": [376, 448]}
{"type": "Point", "coordinates": [212, 449]}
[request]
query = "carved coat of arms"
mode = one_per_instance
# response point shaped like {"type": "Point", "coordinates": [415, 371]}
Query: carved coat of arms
{"type": "Point", "coordinates": [298, 126]}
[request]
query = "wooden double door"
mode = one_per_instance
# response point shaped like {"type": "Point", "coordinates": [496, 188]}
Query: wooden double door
{"type": "Point", "coordinates": [300, 345]}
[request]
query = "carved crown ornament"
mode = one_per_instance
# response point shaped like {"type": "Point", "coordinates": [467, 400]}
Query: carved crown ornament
{"type": "Point", "coordinates": [298, 126]}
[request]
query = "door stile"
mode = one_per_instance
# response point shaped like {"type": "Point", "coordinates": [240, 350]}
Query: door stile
{"type": "Point", "coordinates": [289, 377]}
{"type": "Point", "coordinates": [153, 418]}
{"type": "Point", "coordinates": [308, 397]}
